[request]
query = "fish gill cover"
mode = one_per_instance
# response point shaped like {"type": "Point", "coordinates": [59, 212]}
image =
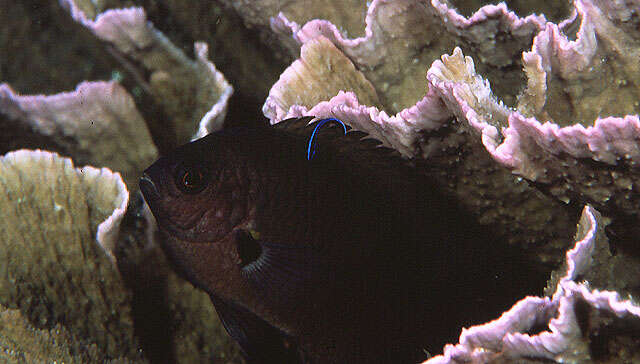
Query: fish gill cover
{"type": "Point", "coordinates": [523, 120]}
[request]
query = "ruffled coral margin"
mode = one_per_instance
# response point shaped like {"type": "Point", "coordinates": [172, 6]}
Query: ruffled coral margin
{"type": "Point", "coordinates": [109, 229]}
{"type": "Point", "coordinates": [455, 23]}
{"type": "Point", "coordinates": [516, 142]}
{"type": "Point", "coordinates": [130, 32]}
{"type": "Point", "coordinates": [543, 152]}
{"type": "Point", "coordinates": [99, 117]}
{"type": "Point", "coordinates": [214, 118]}
{"type": "Point", "coordinates": [520, 140]}
{"type": "Point", "coordinates": [546, 152]}
{"type": "Point", "coordinates": [399, 131]}
{"type": "Point", "coordinates": [506, 337]}
{"type": "Point", "coordinates": [521, 145]}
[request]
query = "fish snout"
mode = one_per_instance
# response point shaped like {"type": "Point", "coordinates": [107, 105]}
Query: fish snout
{"type": "Point", "coordinates": [148, 188]}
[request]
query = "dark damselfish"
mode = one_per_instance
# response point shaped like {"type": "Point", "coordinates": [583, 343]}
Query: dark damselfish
{"type": "Point", "coordinates": [350, 257]}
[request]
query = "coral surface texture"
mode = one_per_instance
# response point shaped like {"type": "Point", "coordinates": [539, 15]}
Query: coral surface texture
{"type": "Point", "coordinates": [524, 114]}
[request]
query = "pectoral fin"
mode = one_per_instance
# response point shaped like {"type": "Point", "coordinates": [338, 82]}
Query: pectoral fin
{"type": "Point", "coordinates": [260, 342]}
{"type": "Point", "coordinates": [282, 274]}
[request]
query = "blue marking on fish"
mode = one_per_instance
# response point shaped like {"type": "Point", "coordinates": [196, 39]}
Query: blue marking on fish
{"type": "Point", "coordinates": [310, 150]}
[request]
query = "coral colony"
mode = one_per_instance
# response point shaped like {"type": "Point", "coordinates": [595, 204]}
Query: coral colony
{"type": "Point", "coordinates": [526, 122]}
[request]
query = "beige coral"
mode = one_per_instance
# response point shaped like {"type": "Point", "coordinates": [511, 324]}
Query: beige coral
{"type": "Point", "coordinates": [50, 271]}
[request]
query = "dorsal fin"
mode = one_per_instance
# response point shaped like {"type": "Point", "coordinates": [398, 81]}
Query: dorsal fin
{"type": "Point", "coordinates": [356, 146]}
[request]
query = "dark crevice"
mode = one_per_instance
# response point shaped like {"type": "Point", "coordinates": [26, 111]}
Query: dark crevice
{"type": "Point", "coordinates": [506, 82]}
{"type": "Point", "coordinates": [145, 275]}
{"type": "Point", "coordinates": [609, 332]}
{"type": "Point", "coordinates": [16, 135]}
{"type": "Point", "coordinates": [624, 235]}
{"type": "Point", "coordinates": [582, 311]}
{"type": "Point", "coordinates": [536, 329]}
{"type": "Point", "coordinates": [571, 29]}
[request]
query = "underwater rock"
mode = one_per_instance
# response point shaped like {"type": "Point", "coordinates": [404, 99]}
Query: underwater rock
{"type": "Point", "coordinates": [97, 124]}
{"type": "Point", "coordinates": [189, 91]}
{"type": "Point", "coordinates": [577, 324]}
{"type": "Point", "coordinates": [57, 224]}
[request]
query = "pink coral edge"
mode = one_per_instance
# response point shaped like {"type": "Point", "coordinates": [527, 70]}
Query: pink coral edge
{"type": "Point", "coordinates": [41, 111]}
{"type": "Point", "coordinates": [214, 118]}
{"type": "Point", "coordinates": [134, 14]}
{"type": "Point", "coordinates": [103, 27]}
{"type": "Point", "coordinates": [317, 27]}
{"type": "Point", "coordinates": [486, 12]}
{"type": "Point", "coordinates": [554, 50]}
{"type": "Point", "coordinates": [610, 139]}
{"type": "Point", "coordinates": [84, 87]}
{"type": "Point", "coordinates": [575, 140]}
{"type": "Point", "coordinates": [579, 257]}
{"type": "Point", "coordinates": [505, 335]}
{"type": "Point", "coordinates": [109, 230]}
{"type": "Point", "coordinates": [399, 131]}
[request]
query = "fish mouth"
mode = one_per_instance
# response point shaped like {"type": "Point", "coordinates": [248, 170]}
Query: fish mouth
{"type": "Point", "coordinates": [151, 194]}
{"type": "Point", "coordinates": [148, 189]}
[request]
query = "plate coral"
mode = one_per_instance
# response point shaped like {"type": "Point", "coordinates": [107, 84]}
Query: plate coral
{"type": "Point", "coordinates": [529, 120]}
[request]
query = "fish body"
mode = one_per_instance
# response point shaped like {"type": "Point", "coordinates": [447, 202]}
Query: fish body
{"type": "Point", "coordinates": [333, 259]}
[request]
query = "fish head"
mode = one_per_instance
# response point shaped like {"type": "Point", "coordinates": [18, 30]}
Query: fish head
{"type": "Point", "coordinates": [197, 198]}
{"type": "Point", "coordinates": [181, 190]}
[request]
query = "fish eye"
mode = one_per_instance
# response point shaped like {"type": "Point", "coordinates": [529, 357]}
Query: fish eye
{"type": "Point", "coordinates": [192, 178]}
